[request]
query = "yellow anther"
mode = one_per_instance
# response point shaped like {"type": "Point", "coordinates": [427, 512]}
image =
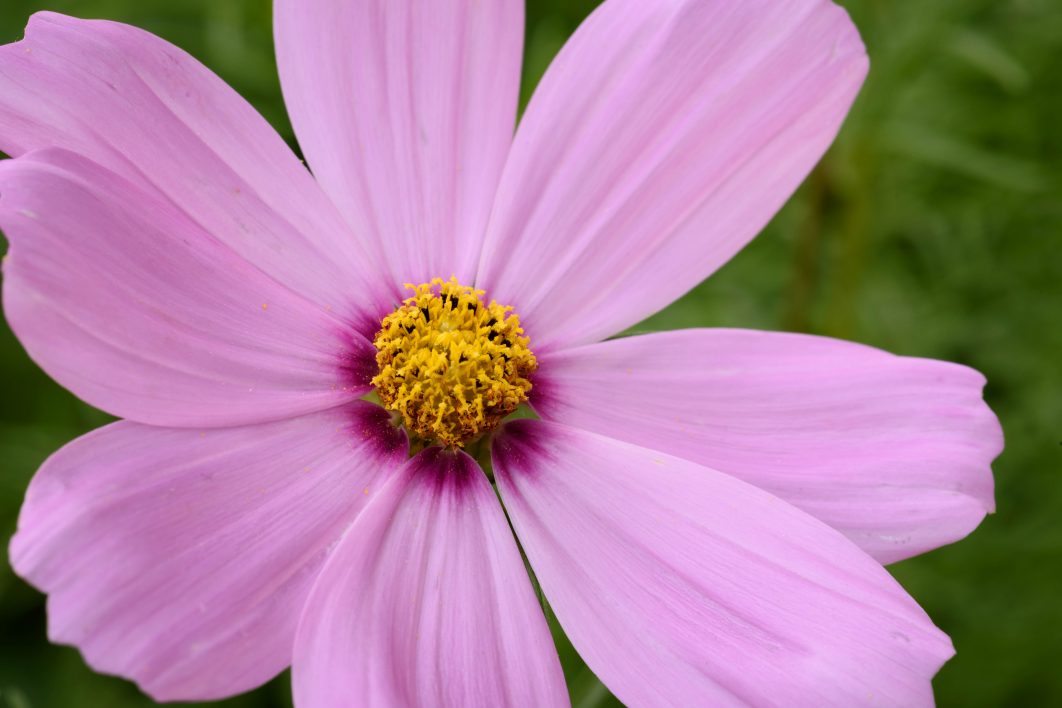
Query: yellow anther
{"type": "Point", "coordinates": [451, 365]}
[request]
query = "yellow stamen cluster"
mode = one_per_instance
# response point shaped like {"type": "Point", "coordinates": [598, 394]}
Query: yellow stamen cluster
{"type": "Point", "coordinates": [452, 366]}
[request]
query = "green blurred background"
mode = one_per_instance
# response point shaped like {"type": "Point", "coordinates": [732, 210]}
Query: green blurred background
{"type": "Point", "coordinates": [933, 228]}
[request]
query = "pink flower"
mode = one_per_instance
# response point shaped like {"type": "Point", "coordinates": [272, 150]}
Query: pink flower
{"type": "Point", "coordinates": [706, 511]}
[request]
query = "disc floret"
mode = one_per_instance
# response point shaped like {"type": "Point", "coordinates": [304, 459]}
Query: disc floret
{"type": "Point", "coordinates": [451, 365]}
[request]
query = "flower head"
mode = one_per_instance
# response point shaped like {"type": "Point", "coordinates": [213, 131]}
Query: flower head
{"type": "Point", "coordinates": [705, 511]}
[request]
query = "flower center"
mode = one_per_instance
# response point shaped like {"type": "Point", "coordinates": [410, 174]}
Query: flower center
{"type": "Point", "coordinates": [451, 365]}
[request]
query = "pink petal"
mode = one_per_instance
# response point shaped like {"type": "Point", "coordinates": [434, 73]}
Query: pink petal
{"type": "Point", "coordinates": [893, 452]}
{"type": "Point", "coordinates": [426, 602]}
{"type": "Point", "coordinates": [153, 114]}
{"type": "Point", "coordinates": [662, 139]}
{"type": "Point", "coordinates": [405, 111]}
{"type": "Point", "coordinates": [182, 559]}
{"type": "Point", "coordinates": [680, 585]}
{"type": "Point", "coordinates": [132, 306]}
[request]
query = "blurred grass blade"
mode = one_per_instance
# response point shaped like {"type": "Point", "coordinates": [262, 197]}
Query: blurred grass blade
{"type": "Point", "coordinates": [981, 53]}
{"type": "Point", "coordinates": [938, 149]}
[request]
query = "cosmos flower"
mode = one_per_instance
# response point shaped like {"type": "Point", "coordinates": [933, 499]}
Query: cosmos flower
{"type": "Point", "coordinates": [303, 473]}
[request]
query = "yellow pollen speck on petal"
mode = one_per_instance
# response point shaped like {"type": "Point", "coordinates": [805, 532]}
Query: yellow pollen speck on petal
{"type": "Point", "coordinates": [451, 365]}
{"type": "Point", "coordinates": [265, 306]}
